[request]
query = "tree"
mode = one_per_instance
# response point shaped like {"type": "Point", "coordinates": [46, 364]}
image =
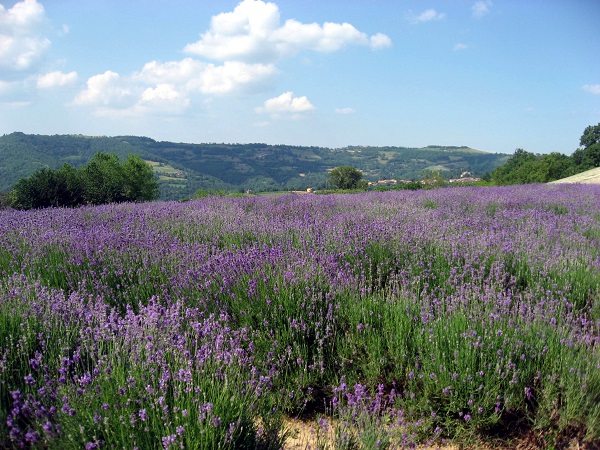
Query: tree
{"type": "Point", "coordinates": [140, 182]}
{"type": "Point", "coordinates": [515, 170]}
{"type": "Point", "coordinates": [70, 186]}
{"type": "Point", "coordinates": [555, 166]}
{"type": "Point", "coordinates": [588, 156]}
{"type": "Point", "coordinates": [5, 199]}
{"type": "Point", "coordinates": [346, 177]}
{"type": "Point", "coordinates": [40, 190]}
{"type": "Point", "coordinates": [103, 180]}
{"type": "Point", "coordinates": [590, 136]}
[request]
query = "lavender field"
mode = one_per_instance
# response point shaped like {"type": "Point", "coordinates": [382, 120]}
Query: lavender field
{"type": "Point", "coordinates": [387, 319]}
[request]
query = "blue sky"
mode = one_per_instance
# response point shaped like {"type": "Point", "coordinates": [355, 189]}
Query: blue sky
{"type": "Point", "coordinates": [495, 75]}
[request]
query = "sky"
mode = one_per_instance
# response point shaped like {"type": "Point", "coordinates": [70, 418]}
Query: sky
{"type": "Point", "coordinates": [494, 75]}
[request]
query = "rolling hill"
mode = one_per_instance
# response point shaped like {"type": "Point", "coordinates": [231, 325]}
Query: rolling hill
{"type": "Point", "coordinates": [183, 168]}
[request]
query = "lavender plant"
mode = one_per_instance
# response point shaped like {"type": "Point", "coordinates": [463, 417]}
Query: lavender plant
{"type": "Point", "coordinates": [402, 316]}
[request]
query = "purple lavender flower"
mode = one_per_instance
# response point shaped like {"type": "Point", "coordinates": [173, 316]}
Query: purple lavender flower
{"type": "Point", "coordinates": [29, 380]}
{"type": "Point", "coordinates": [143, 415]}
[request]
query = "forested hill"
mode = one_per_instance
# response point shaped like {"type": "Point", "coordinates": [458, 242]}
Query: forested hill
{"type": "Point", "coordinates": [184, 168]}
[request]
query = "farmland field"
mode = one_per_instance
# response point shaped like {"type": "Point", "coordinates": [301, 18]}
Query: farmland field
{"type": "Point", "coordinates": [385, 319]}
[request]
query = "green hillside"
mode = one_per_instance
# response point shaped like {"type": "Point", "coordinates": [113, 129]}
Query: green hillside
{"type": "Point", "coordinates": [184, 168]}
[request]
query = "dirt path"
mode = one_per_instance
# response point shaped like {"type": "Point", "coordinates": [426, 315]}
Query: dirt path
{"type": "Point", "coordinates": [302, 436]}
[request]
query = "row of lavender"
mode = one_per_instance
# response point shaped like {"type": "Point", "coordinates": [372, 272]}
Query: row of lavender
{"type": "Point", "coordinates": [404, 316]}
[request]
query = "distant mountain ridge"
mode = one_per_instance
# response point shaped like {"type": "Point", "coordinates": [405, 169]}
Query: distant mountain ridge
{"type": "Point", "coordinates": [183, 168]}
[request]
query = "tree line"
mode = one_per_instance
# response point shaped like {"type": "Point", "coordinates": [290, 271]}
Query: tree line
{"type": "Point", "coordinates": [105, 179]}
{"type": "Point", "coordinates": [525, 167]}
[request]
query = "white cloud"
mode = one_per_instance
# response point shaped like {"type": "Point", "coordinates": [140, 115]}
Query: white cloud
{"type": "Point", "coordinates": [380, 41]}
{"type": "Point", "coordinates": [232, 76]}
{"type": "Point", "coordinates": [177, 72]}
{"type": "Point", "coordinates": [286, 104]}
{"type": "Point", "coordinates": [460, 46]}
{"type": "Point", "coordinates": [107, 89]}
{"type": "Point", "coordinates": [22, 43]}
{"type": "Point", "coordinates": [252, 33]}
{"type": "Point", "coordinates": [56, 79]}
{"type": "Point", "coordinates": [345, 110]}
{"type": "Point", "coordinates": [247, 41]}
{"type": "Point", "coordinates": [428, 16]}
{"type": "Point", "coordinates": [481, 8]}
{"type": "Point", "coordinates": [111, 95]}
{"type": "Point", "coordinates": [197, 76]}
{"type": "Point", "coordinates": [164, 98]}
{"type": "Point", "coordinates": [592, 88]}
{"type": "Point", "coordinates": [161, 93]}
{"type": "Point", "coordinates": [168, 87]}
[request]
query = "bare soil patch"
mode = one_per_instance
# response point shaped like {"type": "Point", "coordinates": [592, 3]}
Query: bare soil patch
{"type": "Point", "coordinates": [302, 435]}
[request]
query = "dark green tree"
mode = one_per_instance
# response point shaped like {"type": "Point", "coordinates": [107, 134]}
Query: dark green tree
{"type": "Point", "coordinates": [140, 182]}
{"type": "Point", "coordinates": [346, 177]}
{"type": "Point", "coordinates": [554, 166]}
{"type": "Point", "coordinates": [590, 136]}
{"type": "Point", "coordinates": [588, 156]}
{"type": "Point", "coordinates": [5, 199]}
{"type": "Point", "coordinates": [40, 190]}
{"type": "Point", "coordinates": [524, 167]}
{"type": "Point", "coordinates": [103, 180]}
{"type": "Point", "coordinates": [515, 170]}
{"type": "Point", "coordinates": [70, 186]}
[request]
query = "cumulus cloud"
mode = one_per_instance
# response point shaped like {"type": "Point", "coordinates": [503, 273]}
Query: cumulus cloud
{"type": "Point", "coordinates": [232, 76]}
{"type": "Point", "coordinates": [592, 88]}
{"type": "Point", "coordinates": [105, 89]}
{"type": "Point", "coordinates": [237, 55]}
{"type": "Point", "coordinates": [56, 79]}
{"type": "Point", "coordinates": [286, 104]}
{"type": "Point", "coordinates": [177, 72]}
{"type": "Point", "coordinates": [168, 87]}
{"type": "Point", "coordinates": [192, 75]}
{"type": "Point", "coordinates": [460, 46]}
{"type": "Point", "coordinates": [252, 32]}
{"type": "Point", "coordinates": [22, 41]}
{"type": "Point", "coordinates": [428, 16]}
{"type": "Point", "coordinates": [481, 8]}
{"type": "Point", "coordinates": [164, 98]}
{"type": "Point", "coordinates": [380, 41]}
{"type": "Point", "coordinates": [162, 92]}
{"type": "Point", "coordinates": [345, 110]}
{"type": "Point", "coordinates": [111, 95]}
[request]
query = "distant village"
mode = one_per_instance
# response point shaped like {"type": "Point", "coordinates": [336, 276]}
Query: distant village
{"type": "Point", "coordinates": [465, 177]}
